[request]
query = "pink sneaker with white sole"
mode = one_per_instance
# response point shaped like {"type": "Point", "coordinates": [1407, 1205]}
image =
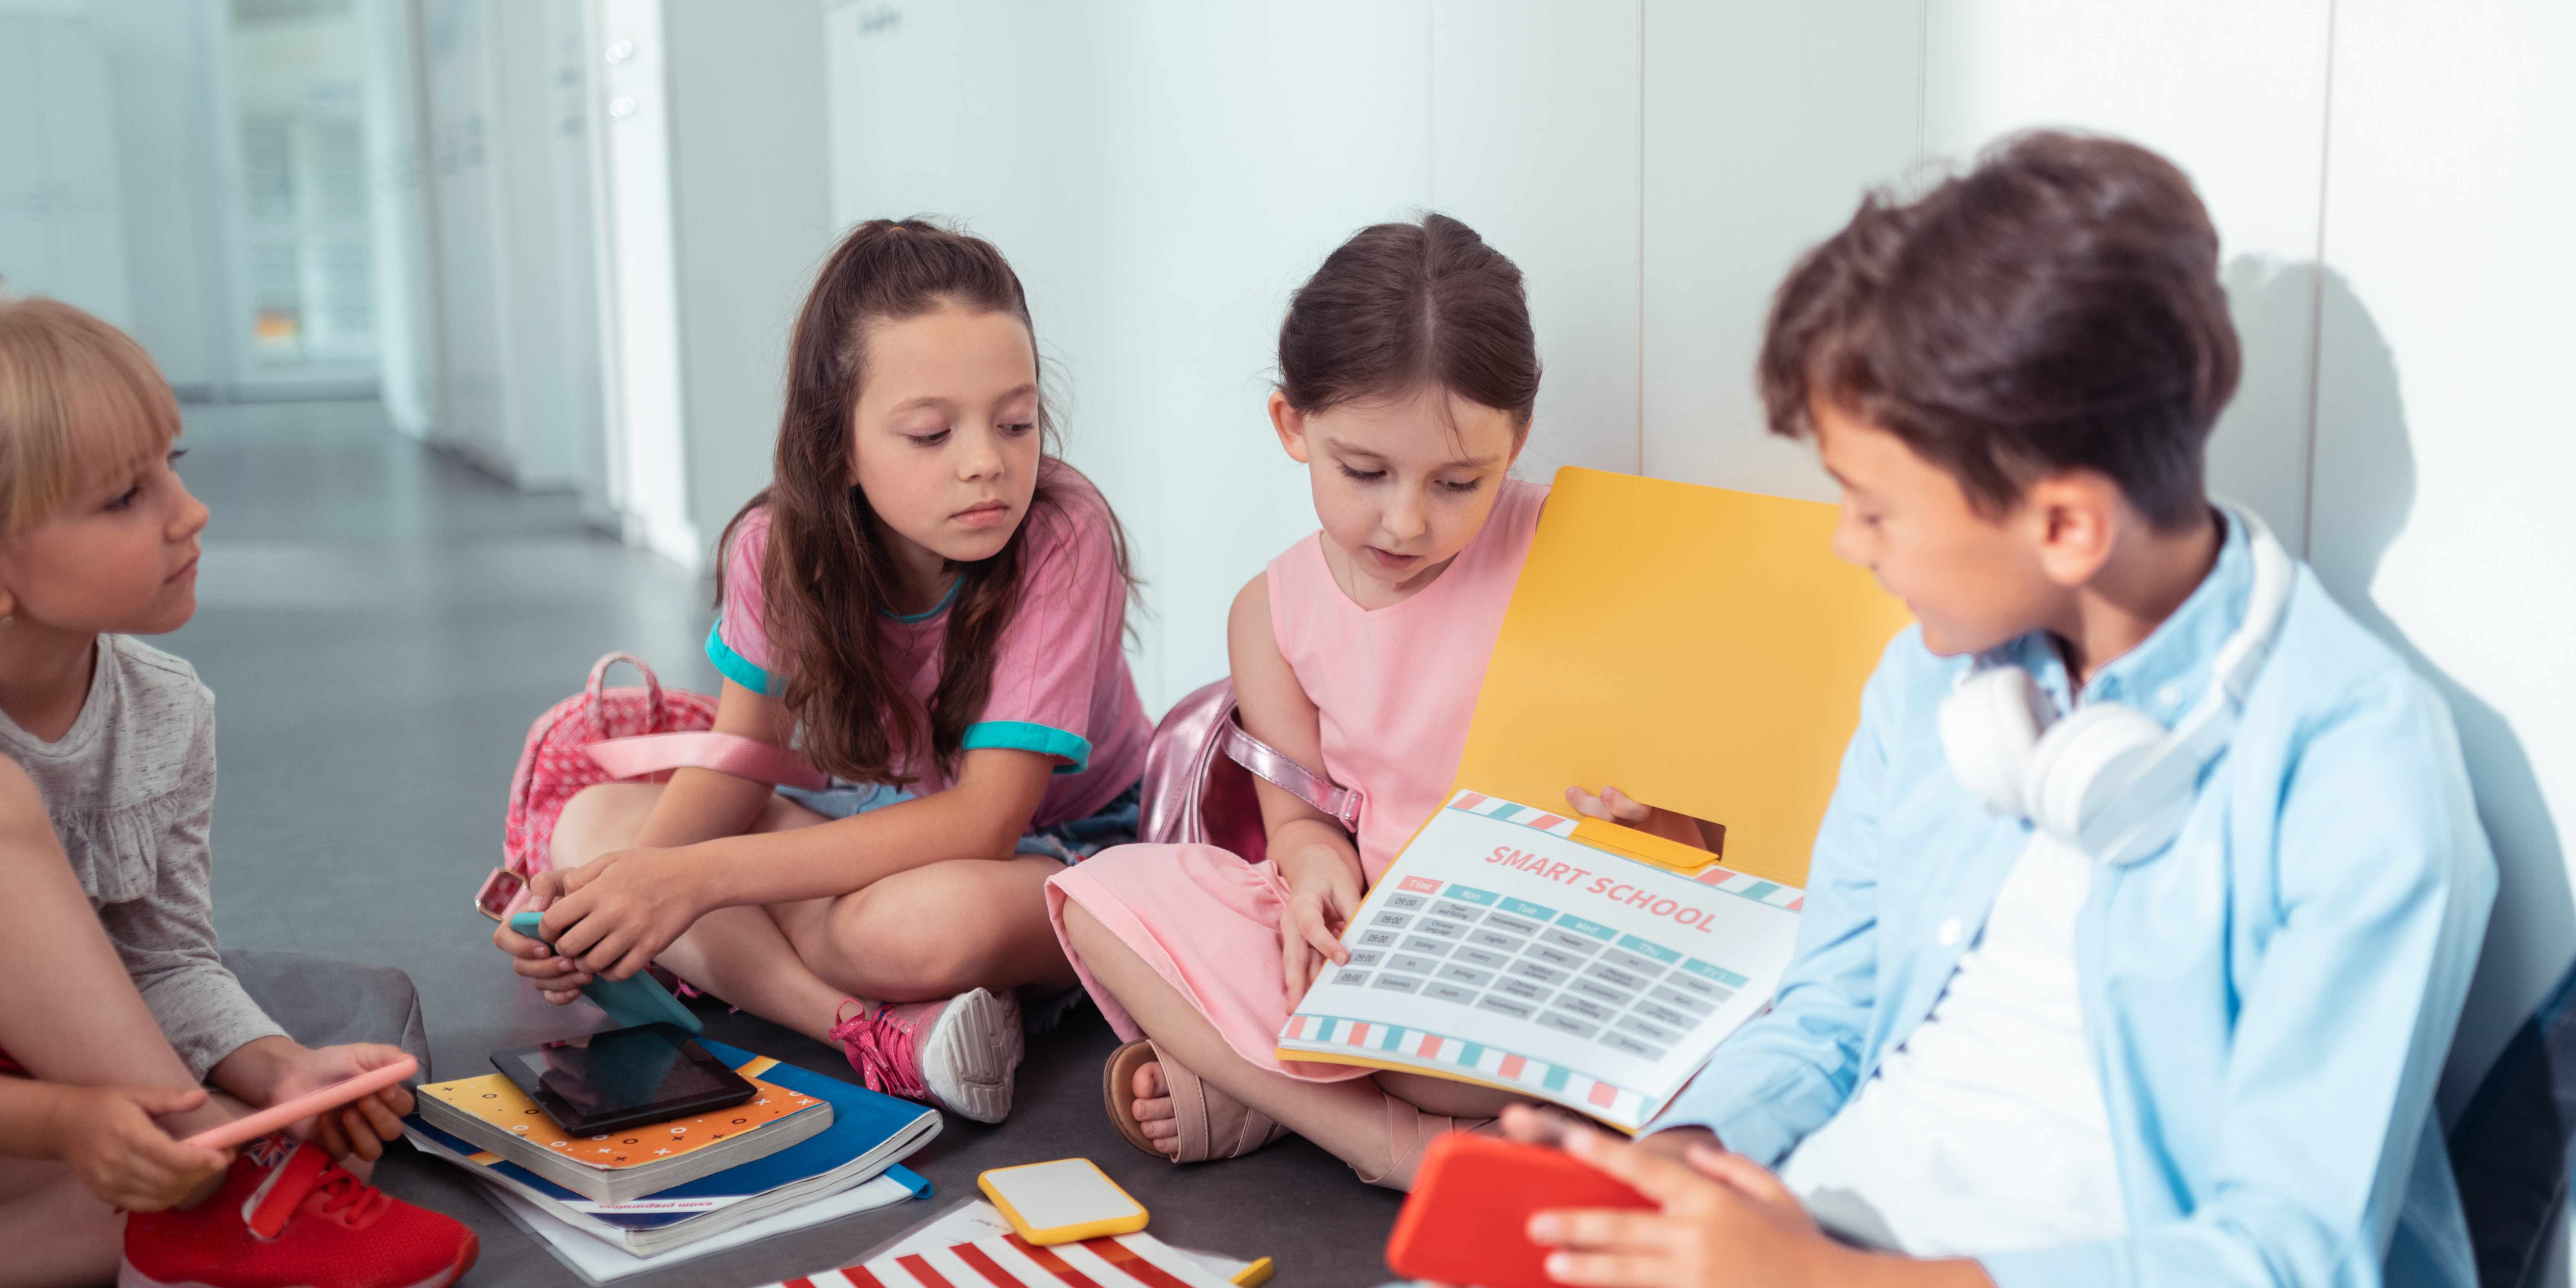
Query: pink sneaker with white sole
{"type": "Point", "coordinates": [962, 1054]}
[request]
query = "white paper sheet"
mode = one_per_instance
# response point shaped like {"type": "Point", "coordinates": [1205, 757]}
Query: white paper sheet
{"type": "Point", "coordinates": [599, 1261]}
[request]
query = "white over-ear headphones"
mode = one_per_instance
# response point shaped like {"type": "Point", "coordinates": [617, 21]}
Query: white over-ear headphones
{"type": "Point", "coordinates": [2108, 779]}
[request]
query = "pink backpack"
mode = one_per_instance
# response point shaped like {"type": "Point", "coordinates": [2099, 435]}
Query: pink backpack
{"type": "Point", "coordinates": [1199, 769]}
{"type": "Point", "coordinates": [605, 735]}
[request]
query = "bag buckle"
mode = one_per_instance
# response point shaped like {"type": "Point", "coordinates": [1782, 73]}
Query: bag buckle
{"type": "Point", "coordinates": [1348, 812]}
{"type": "Point", "coordinates": [498, 891]}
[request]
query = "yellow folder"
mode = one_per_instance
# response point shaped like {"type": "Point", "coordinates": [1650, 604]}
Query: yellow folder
{"type": "Point", "coordinates": [1702, 649]}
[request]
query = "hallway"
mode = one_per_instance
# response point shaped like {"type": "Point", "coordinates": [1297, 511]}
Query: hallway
{"type": "Point", "coordinates": [379, 623]}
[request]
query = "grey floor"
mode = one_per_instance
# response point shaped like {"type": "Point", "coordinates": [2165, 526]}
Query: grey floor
{"type": "Point", "coordinates": [379, 624]}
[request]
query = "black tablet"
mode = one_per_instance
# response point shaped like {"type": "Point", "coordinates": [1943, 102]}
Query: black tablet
{"type": "Point", "coordinates": [622, 1078]}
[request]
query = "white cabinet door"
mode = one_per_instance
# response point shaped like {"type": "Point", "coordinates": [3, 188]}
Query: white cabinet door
{"type": "Point", "coordinates": [61, 227]}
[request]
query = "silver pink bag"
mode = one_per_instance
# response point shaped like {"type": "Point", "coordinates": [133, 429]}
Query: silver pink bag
{"type": "Point", "coordinates": [1198, 780]}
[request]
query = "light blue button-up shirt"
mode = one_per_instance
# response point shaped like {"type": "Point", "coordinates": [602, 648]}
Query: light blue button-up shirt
{"type": "Point", "coordinates": [2268, 1002]}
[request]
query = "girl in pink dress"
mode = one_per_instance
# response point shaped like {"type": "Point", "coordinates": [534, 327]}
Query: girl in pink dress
{"type": "Point", "coordinates": [1407, 371]}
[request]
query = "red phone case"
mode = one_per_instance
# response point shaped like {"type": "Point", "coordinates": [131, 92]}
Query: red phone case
{"type": "Point", "coordinates": [1467, 1220]}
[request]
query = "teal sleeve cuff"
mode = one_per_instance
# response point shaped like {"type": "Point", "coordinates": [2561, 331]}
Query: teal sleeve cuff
{"type": "Point", "coordinates": [734, 666]}
{"type": "Point", "coordinates": [1020, 735]}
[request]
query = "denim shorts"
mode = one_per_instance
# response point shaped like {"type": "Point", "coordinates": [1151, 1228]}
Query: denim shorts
{"type": "Point", "coordinates": [1070, 841]}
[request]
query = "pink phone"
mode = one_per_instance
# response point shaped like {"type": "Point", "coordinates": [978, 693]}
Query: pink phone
{"type": "Point", "coordinates": [244, 1130]}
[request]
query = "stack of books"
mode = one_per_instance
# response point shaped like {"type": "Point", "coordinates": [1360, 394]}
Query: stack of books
{"type": "Point", "coordinates": [804, 1148]}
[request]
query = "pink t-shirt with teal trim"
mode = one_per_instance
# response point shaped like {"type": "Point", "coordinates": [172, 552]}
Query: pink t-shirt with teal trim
{"type": "Point", "coordinates": [1060, 681]}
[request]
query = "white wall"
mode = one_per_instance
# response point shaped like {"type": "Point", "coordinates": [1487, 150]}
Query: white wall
{"type": "Point", "coordinates": [2390, 181]}
{"type": "Point", "coordinates": [459, 99]}
{"type": "Point", "coordinates": [516, 312]}
{"type": "Point", "coordinates": [748, 209]}
{"type": "Point", "coordinates": [165, 130]}
{"type": "Point", "coordinates": [61, 211]}
{"type": "Point", "coordinates": [573, 115]}
{"type": "Point", "coordinates": [1161, 203]}
{"type": "Point", "coordinates": [2444, 438]}
{"type": "Point", "coordinates": [2235, 93]}
{"type": "Point", "coordinates": [1763, 125]}
{"type": "Point", "coordinates": [407, 365]}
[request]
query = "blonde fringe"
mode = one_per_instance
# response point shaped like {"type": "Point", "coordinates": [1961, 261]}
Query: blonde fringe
{"type": "Point", "coordinates": [81, 404]}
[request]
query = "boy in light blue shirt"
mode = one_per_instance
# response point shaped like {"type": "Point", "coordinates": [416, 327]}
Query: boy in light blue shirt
{"type": "Point", "coordinates": [2148, 899]}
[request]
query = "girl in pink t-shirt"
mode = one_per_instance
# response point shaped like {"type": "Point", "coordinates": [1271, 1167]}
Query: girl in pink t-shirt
{"type": "Point", "coordinates": [930, 606]}
{"type": "Point", "coordinates": [1407, 373]}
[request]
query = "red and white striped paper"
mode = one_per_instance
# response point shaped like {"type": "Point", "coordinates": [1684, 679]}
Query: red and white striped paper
{"type": "Point", "coordinates": [1008, 1261]}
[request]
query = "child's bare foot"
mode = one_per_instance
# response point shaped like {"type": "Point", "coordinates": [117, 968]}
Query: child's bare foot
{"type": "Point", "coordinates": [1153, 1109]}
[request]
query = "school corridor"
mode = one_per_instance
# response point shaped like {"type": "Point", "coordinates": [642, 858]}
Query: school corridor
{"type": "Point", "coordinates": [380, 622]}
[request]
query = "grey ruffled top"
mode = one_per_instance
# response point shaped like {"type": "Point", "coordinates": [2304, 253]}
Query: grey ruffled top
{"type": "Point", "coordinates": [131, 791]}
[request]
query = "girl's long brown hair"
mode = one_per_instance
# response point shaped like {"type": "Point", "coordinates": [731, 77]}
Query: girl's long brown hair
{"type": "Point", "coordinates": [828, 575]}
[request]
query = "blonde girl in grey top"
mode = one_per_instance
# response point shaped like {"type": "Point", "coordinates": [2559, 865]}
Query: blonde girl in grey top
{"type": "Point", "coordinates": [130, 790]}
{"type": "Point", "coordinates": [107, 938]}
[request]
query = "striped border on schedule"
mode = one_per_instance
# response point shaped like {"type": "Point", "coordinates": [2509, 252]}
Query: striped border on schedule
{"type": "Point", "coordinates": [1503, 811]}
{"type": "Point", "coordinates": [1491, 1064]}
{"type": "Point", "coordinates": [1754, 888]}
{"type": "Point", "coordinates": [1715, 874]}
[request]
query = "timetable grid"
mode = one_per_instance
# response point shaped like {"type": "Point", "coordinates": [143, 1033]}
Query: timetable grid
{"type": "Point", "coordinates": [1469, 947]}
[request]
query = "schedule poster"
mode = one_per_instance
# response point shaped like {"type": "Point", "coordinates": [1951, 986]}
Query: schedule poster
{"type": "Point", "coordinates": [1498, 949]}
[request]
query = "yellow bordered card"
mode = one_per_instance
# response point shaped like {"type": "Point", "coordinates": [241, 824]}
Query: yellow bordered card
{"type": "Point", "coordinates": [1064, 1201]}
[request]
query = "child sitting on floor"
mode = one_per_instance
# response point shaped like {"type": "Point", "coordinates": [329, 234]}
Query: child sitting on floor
{"type": "Point", "coordinates": [1407, 373]}
{"type": "Point", "coordinates": [930, 604]}
{"type": "Point", "coordinates": [2148, 899]}
{"type": "Point", "coordinates": [106, 796]}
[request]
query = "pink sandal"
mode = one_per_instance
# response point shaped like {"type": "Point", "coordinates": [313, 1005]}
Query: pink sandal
{"type": "Point", "coordinates": [1409, 1131]}
{"type": "Point", "coordinates": [1213, 1124]}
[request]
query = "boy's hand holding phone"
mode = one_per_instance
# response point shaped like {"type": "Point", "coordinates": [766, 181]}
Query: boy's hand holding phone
{"type": "Point", "coordinates": [1724, 1221]}
{"type": "Point", "coordinates": [107, 1137]}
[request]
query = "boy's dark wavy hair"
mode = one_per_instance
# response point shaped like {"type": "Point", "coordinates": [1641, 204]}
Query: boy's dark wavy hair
{"type": "Point", "coordinates": [828, 575]}
{"type": "Point", "coordinates": [2057, 307]}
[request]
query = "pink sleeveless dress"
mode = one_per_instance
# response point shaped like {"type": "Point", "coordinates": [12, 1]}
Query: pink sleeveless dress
{"type": "Point", "coordinates": [1395, 688]}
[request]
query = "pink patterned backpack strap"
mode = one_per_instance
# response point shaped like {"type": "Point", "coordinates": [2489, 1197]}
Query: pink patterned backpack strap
{"type": "Point", "coordinates": [726, 753]}
{"type": "Point", "coordinates": [604, 734]}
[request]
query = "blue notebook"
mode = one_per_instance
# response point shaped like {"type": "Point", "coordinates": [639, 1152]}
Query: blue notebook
{"type": "Point", "coordinates": [869, 1134]}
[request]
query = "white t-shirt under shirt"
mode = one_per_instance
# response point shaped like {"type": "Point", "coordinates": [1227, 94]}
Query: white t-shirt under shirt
{"type": "Point", "coordinates": [1985, 1131]}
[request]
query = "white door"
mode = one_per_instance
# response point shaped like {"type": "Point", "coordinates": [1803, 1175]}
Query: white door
{"type": "Point", "coordinates": [62, 229]}
{"type": "Point", "coordinates": [648, 480]}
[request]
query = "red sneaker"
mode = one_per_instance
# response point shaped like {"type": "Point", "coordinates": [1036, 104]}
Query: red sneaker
{"type": "Point", "coordinates": [287, 1215]}
{"type": "Point", "coordinates": [962, 1054]}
